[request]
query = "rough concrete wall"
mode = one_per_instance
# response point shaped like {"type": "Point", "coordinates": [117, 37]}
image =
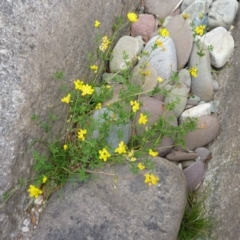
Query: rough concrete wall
{"type": "Point", "coordinates": [37, 38]}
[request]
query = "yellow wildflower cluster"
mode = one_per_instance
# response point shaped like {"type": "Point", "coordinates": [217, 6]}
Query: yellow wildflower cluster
{"type": "Point", "coordinates": [104, 44]}
{"type": "Point", "coordinates": [159, 43]}
{"type": "Point", "coordinates": [152, 153]}
{"type": "Point", "coordinates": [98, 106]}
{"type": "Point", "coordinates": [151, 179]}
{"type": "Point", "coordinates": [142, 119]}
{"type": "Point", "coordinates": [132, 17]}
{"type": "Point", "coordinates": [145, 73]}
{"type": "Point", "coordinates": [65, 147]}
{"type": "Point", "coordinates": [34, 191]}
{"type": "Point", "coordinates": [159, 79]}
{"type": "Point", "coordinates": [81, 134]}
{"type": "Point", "coordinates": [44, 179]}
{"type": "Point", "coordinates": [193, 71]}
{"type": "Point", "coordinates": [66, 99]}
{"type": "Point", "coordinates": [135, 106]}
{"type": "Point", "coordinates": [104, 154]}
{"type": "Point", "coordinates": [131, 157]}
{"type": "Point", "coordinates": [97, 24]}
{"type": "Point", "coordinates": [185, 15]}
{"type": "Point", "coordinates": [85, 88]}
{"type": "Point", "coordinates": [164, 32]}
{"type": "Point", "coordinates": [122, 148]}
{"type": "Point", "coordinates": [141, 166]}
{"type": "Point", "coordinates": [200, 30]}
{"type": "Point", "coordinates": [94, 68]}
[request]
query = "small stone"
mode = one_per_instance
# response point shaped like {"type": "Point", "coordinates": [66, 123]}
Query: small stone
{"type": "Point", "coordinates": [203, 153]}
{"type": "Point", "coordinates": [144, 27]}
{"type": "Point", "coordinates": [214, 106]}
{"type": "Point", "coordinates": [180, 156]}
{"type": "Point", "coordinates": [194, 175]}
{"type": "Point", "coordinates": [215, 86]}
{"type": "Point", "coordinates": [39, 200]}
{"type": "Point", "coordinates": [195, 98]}
{"type": "Point", "coordinates": [25, 229]}
{"type": "Point", "coordinates": [192, 102]}
{"type": "Point", "coordinates": [222, 13]}
{"type": "Point", "coordinates": [26, 222]}
{"type": "Point", "coordinates": [131, 46]}
{"type": "Point", "coordinates": [163, 59]}
{"type": "Point", "coordinates": [187, 163]}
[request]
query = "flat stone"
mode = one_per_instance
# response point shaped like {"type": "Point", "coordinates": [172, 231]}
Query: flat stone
{"type": "Point", "coordinates": [196, 8]}
{"type": "Point", "coordinates": [149, 82]}
{"type": "Point", "coordinates": [131, 46]}
{"type": "Point", "coordinates": [207, 129]}
{"type": "Point", "coordinates": [223, 46]}
{"type": "Point", "coordinates": [113, 138]}
{"type": "Point", "coordinates": [222, 13]}
{"type": "Point", "coordinates": [182, 37]}
{"type": "Point", "coordinates": [197, 111]}
{"type": "Point", "coordinates": [180, 156]}
{"type": "Point", "coordinates": [179, 93]}
{"type": "Point", "coordinates": [194, 175]}
{"type": "Point", "coordinates": [161, 8]}
{"type": "Point", "coordinates": [203, 153]}
{"type": "Point", "coordinates": [117, 206]}
{"type": "Point", "coordinates": [164, 61]}
{"type": "Point", "coordinates": [144, 27]}
{"type": "Point", "coordinates": [192, 102]}
{"type": "Point", "coordinates": [215, 86]}
{"type": "Point", "coordinates": [187, 163]}
{"type": "Point", "coordinates": [202, 84]}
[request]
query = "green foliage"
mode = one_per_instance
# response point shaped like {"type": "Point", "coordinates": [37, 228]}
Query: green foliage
{"type": "Point", "coordinates": [194, 224]}
{"type": "Point", "coordinates": [58, 75]}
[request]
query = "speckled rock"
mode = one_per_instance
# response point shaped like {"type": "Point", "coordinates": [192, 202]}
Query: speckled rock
{"type": "Point", "coordinates": [197, 111]}
{"type": "Point", "coordinates": [148, 82]}
{"type": "Point", "coordinates": [182, 37]}
{"type": "Point", "coordinates": [222, 13]}
{"type": "Point", "coordinates": [117, 206]}
{"type": "Point", "coordinates": [161, 8]}
{"type": "Point", "coordinates": [203, 153]}
{"type": "Point", "coordinates": [194, 175]}
{"type": "Point", "coordinates": [132, 46]}
{"type": "Point", "coordinates": [180, 156]}
{"type": "Point", "coordinates": [207, 129]}
{"type": "Point", "coordinates": [163, 59]}
{"type": "Point", "coordinates": [197, 7]}
{"type": "Point", "coordinates": [202, 84]}
{"type": "Point", "coordinates": [223, 46]}
{"type": "Point", "coordinates": [179, 93]}
{"type": "Point", "coordinates": [144, 27]}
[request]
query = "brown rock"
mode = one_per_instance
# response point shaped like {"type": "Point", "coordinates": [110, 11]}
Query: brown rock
{"type": "Point", "coordinates": [178, 156]}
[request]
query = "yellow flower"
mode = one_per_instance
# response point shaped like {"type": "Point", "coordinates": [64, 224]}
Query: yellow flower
{"type": "Point", "coordinates": [193, 71]}
{"type": "Point", "coordinates": [78, 84]}
{"type": "Point", "coordinates": [142, 119]}
{"type": "Point", "coordinates": [132, 17]}
{"type": "Point", "coordinates": [141, 166]}
{"type": "Point", "coordinates": [34, 191]}
{"type": "Point", "coordinates": [185, 15]}
{"type": "Point", "coordinates": [159, 79]}
{"type": "Point", "coordinates": [65, 147]}
{"type": "Point", "coordinates": [200, 30]}
{"type": "Point", "coordinates": [108, 86]}
{"type": "Point", "coordinates": [122, 148]}
{"type": "Point", "coordinates": [164, 32]}
{"type": "Point", "coordinates": [145, 73]}
{"type": "Point", "coordinates": [104, 154]}
{"type": "Point", "coordinates": [66, 99]}
{"type": "Point", "coordinates": [87, 89]}
{"type": "Point", "coordinates": [135, 106]}
{"type": "Point", "coordinates": [98, 106]}
{"type": "Point", "coordinates": [97, 24]}
{"type": "Point", "coordinates": [81, 134]}
{"type": "Point", "coordinates": [159, 43]}
{"type": "Point", "coordinates": [44, 179]}
{"type": "Point", "coordinates": [152, 153]}
{"type": "Point", "coordinates": [131, 157]}
{"type": "Point", "coordinates": [105, 43]}
{"type": "Point", "coordinates": [94, 68]}
{"type": "Point", "coordinates": [150, 179]}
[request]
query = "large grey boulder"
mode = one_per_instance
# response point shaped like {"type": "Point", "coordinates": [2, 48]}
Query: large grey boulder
{"type": "Point", "coordinates": [39, 38]}
{"type": "Point", "coordinates": [121, 206]}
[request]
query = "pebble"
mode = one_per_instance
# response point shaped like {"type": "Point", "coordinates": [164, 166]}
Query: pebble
{"type": "Point", "coordinates": [25, 229]}
{"type": "Point", "coordinates": [197, 111]}
{"type": "Point", "coordinates": [131, 46]}
{"type": "Point", "coordinates": [187, 163]}
{"type": "Point", "coordinates": [215, 86]}
{"type": "Point", "coordinates": [202, 84]}
{"type": "Point", "coordinates": [222, 13]}
{"type": "Point", "coordinates": [180, 156]}
{"type": "Point", "coordinates": [203, 153]}
{"type": "Point", "coordinates": [26, 222]}
{"type": "Point", "coordinates": [161, 9]}
{"type": "Point", "coordinates": [223, 46]}
{"type": "Point", "coordinates": [164, 61]}
{"type": "Point", "coordinates": [144, 27]}
{"type": "Point", "coordinates": [194, 175]}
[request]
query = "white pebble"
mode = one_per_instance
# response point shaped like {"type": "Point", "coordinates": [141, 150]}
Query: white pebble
{"type": "Point", "coordinates": [26, 222]}
{"type": "Point", "coordinates": [25, 229]}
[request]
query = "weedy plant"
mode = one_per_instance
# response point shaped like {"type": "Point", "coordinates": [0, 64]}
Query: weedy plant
{"type": "Point", "coordinates": [194, 224]}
